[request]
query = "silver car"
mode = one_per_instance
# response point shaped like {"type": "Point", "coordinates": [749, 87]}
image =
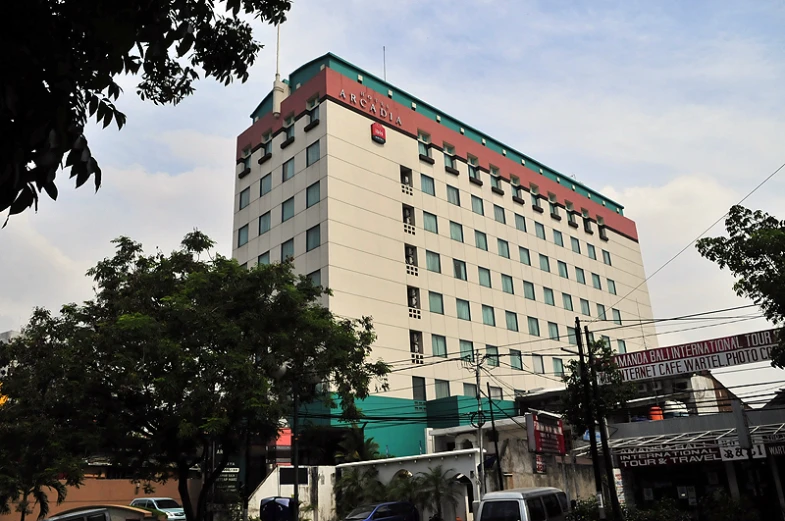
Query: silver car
{"type": "Point", "coordinates": [524, 504]}
{"type": "Point", "coordinates": [167, 505]}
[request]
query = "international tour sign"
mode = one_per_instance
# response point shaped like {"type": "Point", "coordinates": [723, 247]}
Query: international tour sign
{"type": "Point", "coordinates": [694, 357]}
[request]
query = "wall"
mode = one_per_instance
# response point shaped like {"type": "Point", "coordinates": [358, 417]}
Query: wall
{"type": "Point", "coordinates": [325, 498]}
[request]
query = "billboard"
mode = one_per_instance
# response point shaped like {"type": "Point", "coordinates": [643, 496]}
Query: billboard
{"type": "Point", "coordinates": [546, 434]}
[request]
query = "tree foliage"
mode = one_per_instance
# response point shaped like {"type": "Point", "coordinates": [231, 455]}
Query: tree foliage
{"type": "Point", "coordinates": [356, 447]}
{"type": "Point", "coordinates": [61, 60]}
{"type": "Point", "coordinates": [177, 353]}
{"type": "Point", "coordinates": [754, 252]}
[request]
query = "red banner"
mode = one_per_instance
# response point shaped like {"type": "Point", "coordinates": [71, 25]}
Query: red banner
{"type": "Point", "coordinates": [546, 434]}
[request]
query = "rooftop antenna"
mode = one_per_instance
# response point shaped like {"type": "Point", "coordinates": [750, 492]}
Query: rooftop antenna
{"type": "Point", "coordinates": [280, 89]}
{"type": "Point", "coordinates": [384, 57]}
{"type": "Point", "coordinates": [277, 51]}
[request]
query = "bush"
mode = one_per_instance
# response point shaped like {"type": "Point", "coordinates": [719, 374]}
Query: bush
{"type": "Point", "coordinates": [664, 510]}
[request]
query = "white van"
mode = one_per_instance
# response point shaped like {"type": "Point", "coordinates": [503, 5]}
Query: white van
{"type": "Point", "coordinates": [524, 504]}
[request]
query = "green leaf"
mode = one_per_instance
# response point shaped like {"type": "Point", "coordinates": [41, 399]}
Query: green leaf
{"type": "Point", "coordinates": [51, 190]}
{"type": "Point", "coordinates": [23, 201]}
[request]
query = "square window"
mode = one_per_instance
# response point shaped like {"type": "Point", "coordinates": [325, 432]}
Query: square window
{"type": "Point", "coordinates": [312, 154]}
{"type": "Point", "coordinates": [606, 257]}
{"type": "Point", "coordinates": [554, 209]}
{"type": "Point", "coordinates": [264, 258]}
{"type": "Point", "coordinates": [622, 346]}
{"type": "Point", "coordinates": [539, 230]}
{"type": "Point", "coordinates": [477, 205]}
{"type": "Point", "coordinates": [511, 318]}
{"type": "Point", "coordinates": [528, 290]}
{"type": "Point", "coordinates": [616, 316]}
{"type": "Point", "coordinates": [553, 331]}
{"type": "Point", "coordinates": [545, 263]}
{"type": "Point", "coordinates": [433, 261]}
{"type": "Point", "coordinates": [516, 361]}
{"type": "Point", "coordinates": [485, 277]}
{"type": "Point", "coordinates": [313, 238]}
{"type": "Point", "coordinates": [287, 250]}
{"type": "Point", "coordinates": [576, 245]}
{"type": "Point", "coordinates": [558, 238]}
{"type": "Point", "coordinates": [562, 269]}
{"type": "Point", "coordinates": [266, 184]}
{"type": "Point", "coordinates": [547, 296]}
{"type": "Point", "coordinates": [463, 310]}
{"type": "Point", "coordinates": [507, 286]}
{"type": "Point", "coordinates": [430, 223]}
{"type": "Point", "coordinates": [567, 301]}
{"type": "Point", "coordinates": [467, 353]}
{"type": "Point", "coordinates": [287, 170]}
{"type": "Point", "coordinates": [534, 326]}
{"type": "Point", "coordinates": [496, 182]}
{"type": "Point", "coordinates": [316, 277]}
{"type": "Point", "coordinates": [611, 286]}
{"type": "Point", "coordinates": [600, 311]}
{"type": "Point", "coordinates": [456, 231]}
{"type": "Point", "coordinates": [496, 393]}
{"type": "Point", "coordinates": [537, 364]}
{"type": "Point", "coordinates": [520, 222]}
{"type": "Point", "coordinates": [449, 160]}
{"type": "Point", "coordinates": [524, 255]}
{"type": "Point", "coordinates": [287, 209]}
{"type": "Point", "coordinates": [242, 235]}
{"type": "Point", "coordinates": [504, 248]}
{"type": "Point", "coordinates": [459, 269]}
{"type": "Point", "coordinates": [442, 388]}
{"type": "Point", "coordinates": [473, 172]}
{"type": "Point", "coordinates": [245, 198]}
{"type": "Point", "coordinates": [595, 281]}
{"type": "Point", "coordinates": [492, 352]}
{"type": "Point", "coordinates": [580, 276]}
{"type": "Point", "coordinates": [480, 240]}
{"type": "Point", "coordinates": [435, 303]}
{"type": "Point", "coordinates": [498, 214]}
{"type": "Point", "coordinates": [585, 309]}
{"type": "Point", "coordinates": [264, 223]}
{"type": "Point", "coordinates": [427, 185]}
{"type": "Point", "coordinates": [439, 345]}
{"type": "Point", "coordinates": [418, 389]}
{"type": "Point", "coordinates": [558, 367]}
{"type": "Point", "coordinates": [488, 316]}
{"type": "Point", "coordinates": [592, 252]}
{"type": "Point", "coordinates": [470, 390]}
{"type": "Point", "coordinates": [453, 195]}
{"type": "Point", "coordinates": [312, 194]}
{"type": "Point", "coordinates": [572, 338]}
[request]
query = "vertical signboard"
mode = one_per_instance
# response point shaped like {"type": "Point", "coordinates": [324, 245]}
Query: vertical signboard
{"type": "Point", "coordinates": [546, 434]}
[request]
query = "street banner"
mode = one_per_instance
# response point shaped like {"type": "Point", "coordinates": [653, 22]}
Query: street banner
{"type": "Point", "coordinates": [674, 455]}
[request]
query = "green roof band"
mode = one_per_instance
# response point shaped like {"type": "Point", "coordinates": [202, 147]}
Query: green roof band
{"type": "Point", "coordinates": [329, 60]}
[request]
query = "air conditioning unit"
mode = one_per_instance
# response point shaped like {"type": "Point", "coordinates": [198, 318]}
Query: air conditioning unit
{"type": "Point", "coordinates": [642, 388]}
{"type": "Point", "coordinates": [656, 386]}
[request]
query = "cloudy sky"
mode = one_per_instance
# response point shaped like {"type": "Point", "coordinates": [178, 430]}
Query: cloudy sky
{"type": "Point", "coordinates": [674, 109]}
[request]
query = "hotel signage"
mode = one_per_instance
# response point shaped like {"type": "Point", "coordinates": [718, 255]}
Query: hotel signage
{"type": "Point", "coordinates": [368, 101]}
{"type": "Point", "coordinates": [378, 133]}
{"type": "Point", "coordinates": [697, 356]}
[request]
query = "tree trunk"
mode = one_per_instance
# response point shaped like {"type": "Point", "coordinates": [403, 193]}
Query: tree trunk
{"type": "Point", "coordinates": [201, 503]}
{"type": "Point", "coordinates": [183, 470]}
{"type": "Point", "coordinates": [24, 504]}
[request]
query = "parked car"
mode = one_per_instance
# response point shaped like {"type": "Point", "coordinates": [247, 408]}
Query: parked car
{"type": "Point", "coordinates": [167, 505]}
{"type": "Point", "coordinates": [391, 511]}
{"type": "Point", "coordinates": [524, 504]}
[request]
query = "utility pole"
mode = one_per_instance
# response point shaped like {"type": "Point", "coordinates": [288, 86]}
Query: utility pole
{"type": "Point", "coordinates": [606, 452]}
{"type": "Point", "coordinates": [474, 363]}
{"type": "Point", "coordinates": [589, 418]}
{"type": "Point", "coordinates": [296, 455]}
{"type": "Point", "coordinates": [495, 440]}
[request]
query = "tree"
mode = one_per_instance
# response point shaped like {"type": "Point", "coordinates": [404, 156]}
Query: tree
{"type": "Point", "coordinates": [754, 252]}
{"type": "Point", "coordinates": [437, 486]}
{"type": "Point", "coordinates": [180, 354]}
{"type": "Point", "coordinates": [356, 447]}
{"type": "Point", "coordinates": [61, 59]}
{"type": "Point", "coordinates": [356, 487]}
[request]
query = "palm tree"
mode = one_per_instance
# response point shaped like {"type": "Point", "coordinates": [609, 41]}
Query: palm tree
{"type": "Point", "coordinates": [437, 486]}
{"type": "Point", "coordinates": [403, 487]}
{"type": "Point", "coordinates": [357, 487]}
{"type": "Point", "coordinates": [355, 447]}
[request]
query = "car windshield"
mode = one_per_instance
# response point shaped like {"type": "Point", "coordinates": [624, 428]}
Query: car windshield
{"type": "Point", "coordinates": [361, 512]}
{"type": "Point", "coordinates": [166, 503]}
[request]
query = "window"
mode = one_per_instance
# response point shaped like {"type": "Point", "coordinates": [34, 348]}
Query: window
{"type": "Point", "coordinates": [622, 346]}
{"type": "Point", "coordinates": [595, 281]}
{"type": "Point", "coordinates": [313, 113]}
{"type": "Point", "coordinates": [435, 303]}
{"type": "Point", "coordinates": [456, 231]}
{"type": "Point", "coordinates": [504, 248]}
{"type": "Point", "coordinates": [467, 350]}
{"type": "Point", "coordinates": [264, 258]}
{"type": "Point", "coordinates": [515, 359]}
{"type": "Point", "coordinates": [433, 261]}
{"type": "Point", "coordinates": [459, 269]}
{"type": "Point", "coordinates": [507, 284]}
{"type": "Point", "coordinates": [576, 245]}
{"type": "Point", "coordinates": [312, 195]}
{"type": "Point", "coordinates": [496, 182]}
{"type": "Point", "coordinates": [528, 290]}
{"type": "Point", "coordinates": [316, 277]}
{"type": "Point", "coordinates": [488, 316]}
{"type": "Point", "coordinates": [606, 257]}
{"type": "Point", "coordinates": [470, 390]}
{"type": "Point", "coordinates": [511, 319]}
{"type": "Point", "coordinates": [287, 171]}
{"type": "Point", "coordinates": [580, 276]}
{"type": "Point", "coordinates": [496, 393]}
{"type": "Point", "coordinates": [439, 345]}
{"type": "Point", "coordinates": [492, 353]}
{"type": "Point", "coordinates": [572, 338]}
{"type": "Point", "coordinates": [242, 235]}
{"type": "Point", "coordinates": [547, 295]}
{"type": "Point", "coordinates": [453, 195]}
{"type": "Point", "coordinates": [287, 209]}
{"type": "Point", "coordinates": [592, 251]}
{"type": "Point", "coordinates": [473, 172]}
{"type": "Point", "coordinates": [520, 222]}
{"type": "Point", "coordinates": [600, 311]}
{"type": "Point", "coordinates": [535, 199]}
{"type": "Point", "coordinates": [585, 307]}
{"type": "Point", "coordinates": [616, 316]}
{"type": "Point", "coordinates": [449, 152]}
{"type": "Point", "coordinates": [485, 277]}
{"type": "Point", "coordinates": [418, 388]}
{"type": "Point", "coordinates": [605, 340]}
{"type": "Point", "coordinates": [442, 388]}
{"type": "Point", "coordinates": [611, 286]}
{"type": "Point", "coordinates": [245, 198]}
{"type": "Point", "coordinates": [429, 222]}
{"type": "Point", "coordinates": [312, 154]}
{"type": "Point", "coordinates": [313, 238]}
{"type": "Point", "coordinates": [480, 240]}
{"type": "Point", "coordinates": [558, 238]}
{"type": "Point", "coordinates": [264, 223]}
{"type": "Point", "coordinates": [463, 310]}
{"type": "Point", "coordinates": [523, 253]}
{"type": "Point", "coordinates": [534, 326]}
{"type": "Point", "coordinates": [423, 140]}
{"type": "Point", "coordinates": [562, 269]}
{"type": "Point", "coordinates": [287, 250]}
{"type": "Point", "coordinates": [539, 230]}
{"type": "Point", "coordinates": [567, 301]}
{"type": "Point", "coordinates": [545, 263]}
{"type": "Point", "coordinates": [538, 366]}
{"type": "Point", "coordinates": [553, 331]}
{"type": "Point", "coordinates": [266, 184]}
{"type": "Point", "coordinates": [289, 126]}
{"type": "Point", "coordinates": [498, 214]}
{"type": "Point", "coordinates": [427, 185]}
{"type": "Point", "coordinates": [477, 206]}
{"type": "Point", "coordinates": [558, 366]}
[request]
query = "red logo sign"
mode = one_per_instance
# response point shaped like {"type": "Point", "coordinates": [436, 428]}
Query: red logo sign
{"type": "Point", "coordinates": [378, 133]}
